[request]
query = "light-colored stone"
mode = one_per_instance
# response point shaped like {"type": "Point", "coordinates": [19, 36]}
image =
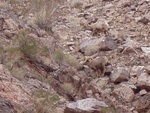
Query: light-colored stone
{"type": "Point", "coordinates": [136, 70]}
{"type": "Point", "coordinates": [89, 105]}
{"type": "Point", "coordinates": [142, 92]}
{"type": "Point", "coordinates": [144, 81]}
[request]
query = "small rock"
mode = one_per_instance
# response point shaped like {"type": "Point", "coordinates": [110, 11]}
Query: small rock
{"type": "Point", "coordinates": [147, 68]}
{"type": "Point", "coordinates": [120, 74]}
{"type": "Point", "coordinates": [144, 81]}
{"type": "Point", "coordinates": [1, 23]}
{"type": "Point", "coordinates": [145, 19]}
{"type": "Point", "coordinates": [76, 80]}
{"type": "Point", "coordinates": [142, 103]}
{"type": "Point", "coordinates": [89, 105]}
{"type": "Point", "coordinates": [101, 82]}
{"type": "Point", "coordinates": [124, 92]}
{"type": "Point", "coordinates": [146, 50]}
{"type": "Point", "coordinates": [142, 92]}
{"type": "Point", "coordinates": [136, 70]}
{"type": "Point", "coordinates": [89, 93]}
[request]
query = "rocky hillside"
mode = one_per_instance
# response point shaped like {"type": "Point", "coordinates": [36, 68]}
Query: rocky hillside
{"type": "Point", "coordinates": [75, 56]}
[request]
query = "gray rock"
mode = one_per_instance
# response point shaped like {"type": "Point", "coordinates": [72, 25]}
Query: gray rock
{"type": "Point", "coordinates": [6, 107]}
{"type": "Point", "coordinates": [90, 47]}
{"type": "Point", "coordinates": [144, 81]}
{"type": "Point", "coordinates": [120, 74]}
{"type": "Point", "coordinates": [89, 105]}
{"type": "Point", "coordinates": [142, 92]}
{"type": "Point", "coordinates": [124, 92]}
{"type": "Point", "coordinates": [136, 70]}
{"type": "Point", "coordinates": [146, 50]}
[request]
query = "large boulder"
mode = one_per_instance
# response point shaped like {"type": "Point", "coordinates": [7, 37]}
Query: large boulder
{"type": "Point", "coordinates": [89, 105]}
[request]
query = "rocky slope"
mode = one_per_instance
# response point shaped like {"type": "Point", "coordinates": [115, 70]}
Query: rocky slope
{"type": "Point", "coordinates": [75, 56]}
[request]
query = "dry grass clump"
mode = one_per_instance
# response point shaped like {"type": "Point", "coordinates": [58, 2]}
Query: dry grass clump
{"type": "Point", "coordinates": [60, 57]}
{"type": "Point", "coordinates": [46, 11]}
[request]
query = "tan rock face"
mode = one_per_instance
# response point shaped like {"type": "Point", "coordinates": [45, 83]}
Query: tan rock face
{"type": "Point", "coordinates": [13, 90]}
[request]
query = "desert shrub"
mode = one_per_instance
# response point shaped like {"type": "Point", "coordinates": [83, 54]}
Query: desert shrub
{"type": "Point", "coordinates": [47, 102]}
{"type": "Point", "coordinates": [27, 45]}
{"type": "Point", "coordinates": [108, 110]}
{"type": "Point", "coordinates": [68, 87]}
{"type": "Point", "coordinates": [59, 56]}
{"type": "Point", "coordinates": [46, 11]}
{"type": "Point", "coordinates": [72, 61]}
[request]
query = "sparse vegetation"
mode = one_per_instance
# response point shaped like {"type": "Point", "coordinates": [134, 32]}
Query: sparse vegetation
{"type": "Point", "coordinates": [59, 56]}
{"type": "Point", "coordinates": [27, 45]}
{"type": "Point", "coordinates": [68, 87]}
{"type": "Point", "coordinates": [72, 61]}
{"type": "Point", "coordinates": [108, 110]}
{"type": "Point", "coordinates": [46, 103]}
{"type": "Point", "coordinates": [46, 11]}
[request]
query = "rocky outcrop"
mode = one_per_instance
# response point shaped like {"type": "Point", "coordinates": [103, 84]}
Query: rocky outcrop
{"type": "Point", "coordinates": [6, 106]}
{"type": "Point", "coordinates": [92, 49]}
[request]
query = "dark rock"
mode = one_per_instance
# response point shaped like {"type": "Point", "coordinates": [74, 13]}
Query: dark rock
{"type": "Point", "coordinates": [89, 105]}
{"type": "Point", "coordinates": [145, 19]}
{"type": "Point", "coordinates": [1, 23]}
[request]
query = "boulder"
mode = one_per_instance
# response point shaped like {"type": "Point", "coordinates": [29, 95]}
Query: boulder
{"type": "Point", "coordinates": [142, 103]}
{"type": "Point", "coordinates": [120, 74]}
{"type": "Point", "coordinates": [144, 81]}
{"type": "Point", "coordinates": [88, 105]}
{"type": "Point", "coordinates": [124, 92]}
